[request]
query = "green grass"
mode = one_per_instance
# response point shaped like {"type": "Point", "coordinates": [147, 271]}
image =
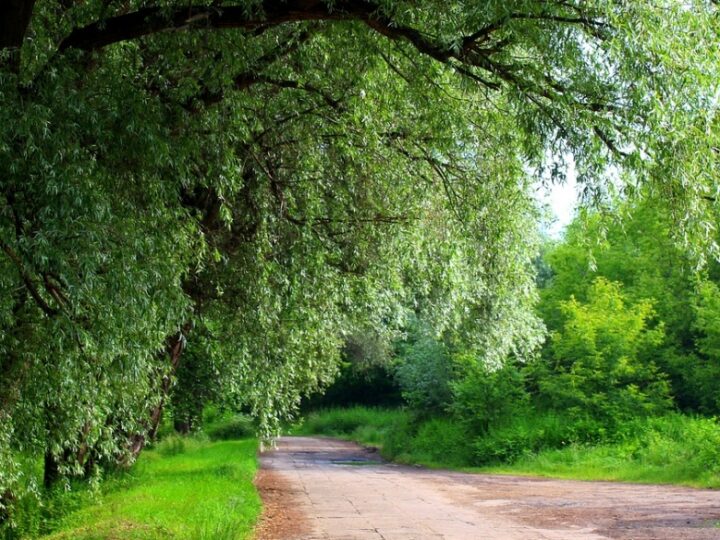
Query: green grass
{"type": "Point", "coordinates": [366, 425]}
{"type": "Point", "coordinates": [607, 463]}
{"type": "Point", "coordinates": [673, 449]}
{"type": "Point", "coordinates": [185, 488]}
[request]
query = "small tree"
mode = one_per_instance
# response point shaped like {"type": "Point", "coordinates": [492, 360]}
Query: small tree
{"type": "Point", "coordinates": [599, 362]}
{"type": "Point", "coordinates": [484, 397]}
{"type": "Point", "coordinates": [424, 371]}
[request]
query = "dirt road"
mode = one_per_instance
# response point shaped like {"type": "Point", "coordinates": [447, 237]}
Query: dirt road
{"type": "Point", "coordinates": [317, 488]}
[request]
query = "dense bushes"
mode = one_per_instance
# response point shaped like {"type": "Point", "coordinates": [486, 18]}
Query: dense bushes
{"type": "Point", "coordinates": [424, 370]}
{"type": "Point", "coordinates": [437, 440]}
{"type": "Point", "coordinates": [531, 433]}
{"type": "Point", "coordinates": [641, 258]}
{"type": "Point", "coordinates": [599, 361]}
{"type": "Point", "coordinates": [483, 397]}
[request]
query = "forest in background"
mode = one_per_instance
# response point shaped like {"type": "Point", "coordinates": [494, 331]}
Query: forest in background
{"type": "Point", "coordinates": [624, 385]}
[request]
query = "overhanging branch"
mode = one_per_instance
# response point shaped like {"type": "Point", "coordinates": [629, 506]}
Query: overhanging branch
{"type": "Point", "coordinates": [27, 280]}
{"type": "Point", "coordinates": [271, 13]}
{"type": "Point", "coordinates": [153, 20]}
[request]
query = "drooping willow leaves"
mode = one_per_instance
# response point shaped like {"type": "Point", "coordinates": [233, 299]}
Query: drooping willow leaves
{"type": "Point", "coordinates": [250, 181]}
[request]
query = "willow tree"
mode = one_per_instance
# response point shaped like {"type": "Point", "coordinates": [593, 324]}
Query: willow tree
{"type": "Point", "coordinates": [251, 180]}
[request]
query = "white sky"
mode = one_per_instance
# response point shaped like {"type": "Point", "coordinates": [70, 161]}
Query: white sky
{"type": "Point", "coordinates": [561, 200]}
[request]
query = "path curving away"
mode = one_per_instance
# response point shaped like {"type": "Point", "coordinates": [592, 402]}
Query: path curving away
{"type": "Point", "coordinates": [318, 488]}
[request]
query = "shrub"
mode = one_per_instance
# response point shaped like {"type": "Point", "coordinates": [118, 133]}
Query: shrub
{"type": "Point", "coordinates": [691, 442]}
{"type": "Point", "coordinates": [527, 435]}
{"type": "Point", "coordinates": [676, 449]}
{"type": "Point", "coordinates": [441, 441]}
{"type": "Point", "coordinates": [483, 398]}
{"type": "Point", "coordinates": [236, 426]}
{"type": "Point", "coordinates": [397, 442]}
{"type": "Point", "coordinates": [171, 446]}
{"type": "Point", "coordinates": [27, 517]}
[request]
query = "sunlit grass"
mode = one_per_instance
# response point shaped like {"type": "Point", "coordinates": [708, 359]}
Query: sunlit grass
{"type": "Point", "coordinates": [183, 489]}
{"type": "Point", "coordinates": [604, 463]}
{"type": "Point", "coordinates": [678, 464]}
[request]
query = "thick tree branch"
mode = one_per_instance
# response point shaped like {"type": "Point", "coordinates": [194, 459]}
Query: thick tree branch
{"type": "Point", "coordinates": [470, 53]}
{"type": "Point", "coordinates": [473, 55]}
{"type": "Point", "coordinates": [29, 284]}
{"type": "Point", "coordinates": [14, 20]}
{"type": "Point", "coordinates": [295, 85]}
{"type": "Point", "coordinates": [152, 20]}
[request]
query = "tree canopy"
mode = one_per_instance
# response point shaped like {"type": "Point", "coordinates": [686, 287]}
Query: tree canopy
{"type": "Point", "coordinates": [242, 184]}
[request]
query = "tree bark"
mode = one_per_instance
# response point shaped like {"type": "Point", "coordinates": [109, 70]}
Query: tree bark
{"type": "Point", "coordinates": [151, 20]}
{"type": "Point", "coordinates": [7, 498]}
{"type": "Point", "coordinates": [51, 470]}
{"type": "Point", "coordinates": [174, 347]}
{"type": "Point", "coordinates": [14, 20]}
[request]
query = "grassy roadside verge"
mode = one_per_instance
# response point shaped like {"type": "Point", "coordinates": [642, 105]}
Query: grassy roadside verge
{"type": "Point", "coordinates": [184, 489]}
{"type": "Point", "coordinates": [614, 463]}
{"type": "Point", "coordinates": [674, 449]}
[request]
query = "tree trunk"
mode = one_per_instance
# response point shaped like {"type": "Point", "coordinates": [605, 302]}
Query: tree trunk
{"type": "Point", "coordinates": [14, 20]}
{"type": "Point", "coordinates": [7, 498]}
{"type": "Point", "coordinates": [174, 348]}
{"type": "Point", "coordinates": [182, 426]}
{"type": "Point", "coordinates": [51, 470]}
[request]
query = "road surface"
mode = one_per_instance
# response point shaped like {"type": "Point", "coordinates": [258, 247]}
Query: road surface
{"type": "Point", "coordinates": [318, 488]}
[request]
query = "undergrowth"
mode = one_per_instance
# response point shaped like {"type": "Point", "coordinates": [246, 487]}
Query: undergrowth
{"type": "Point", "coordinates": [221, 425]}
{"type": "Point", "coordinates": [674, 449]}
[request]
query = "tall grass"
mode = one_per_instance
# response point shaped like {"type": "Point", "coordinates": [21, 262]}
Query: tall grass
{"type": "Point", "coordinates": [674, 449]}
{"type": "Point", "coordinates": [435, 442]}
{"type": "Point", "coordinates": [366, 425]}
{"type": "Point", "coordinates": [527, 434]}
{"type": "Point", "coordinates": [400, 435]}
{"type": "Point", "coordinates": [185, 488]}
